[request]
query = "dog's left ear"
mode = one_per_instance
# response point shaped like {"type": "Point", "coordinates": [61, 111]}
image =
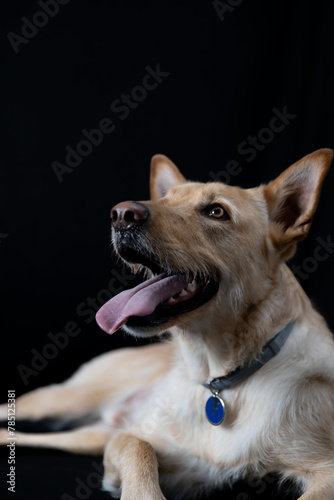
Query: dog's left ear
{"type": "Point", "coordinates": [293, 197]}
{"type": "Point", "coordinates": [164, 175]}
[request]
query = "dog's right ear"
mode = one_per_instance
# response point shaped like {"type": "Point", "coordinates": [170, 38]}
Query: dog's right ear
{"type": "Point", "coordinates": [164, 175]}
{"type": "Point", "coordinates": [293, 197]}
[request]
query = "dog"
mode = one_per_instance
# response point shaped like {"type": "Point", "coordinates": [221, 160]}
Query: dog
{"type": "Point", "coordinates": [244, 384]}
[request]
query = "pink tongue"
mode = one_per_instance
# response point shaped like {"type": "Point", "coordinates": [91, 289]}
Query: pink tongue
{"type": "Point", "coordinates": [139, 301]}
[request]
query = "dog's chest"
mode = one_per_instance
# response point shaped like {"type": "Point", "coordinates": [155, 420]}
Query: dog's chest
{"type": "Point", "coordinates": [178, 414]}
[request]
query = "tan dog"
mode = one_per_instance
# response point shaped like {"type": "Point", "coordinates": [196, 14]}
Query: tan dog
{"type": "Point", "coordinates": [220, 285]}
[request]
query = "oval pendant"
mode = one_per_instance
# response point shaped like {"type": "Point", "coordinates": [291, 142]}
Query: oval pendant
{"type": "Point", "coordinates": [215, 410]}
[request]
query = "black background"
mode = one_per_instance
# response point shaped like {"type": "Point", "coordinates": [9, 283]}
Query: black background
{"type": "Point", "coordinates": [225, 77]}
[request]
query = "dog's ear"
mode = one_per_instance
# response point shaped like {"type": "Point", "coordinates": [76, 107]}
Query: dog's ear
{"type": "Point", "coordinates": [164, 175]}
{"type": "Point", "coordinates": [293, 197]}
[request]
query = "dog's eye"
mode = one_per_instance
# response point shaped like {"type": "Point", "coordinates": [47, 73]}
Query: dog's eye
{"type": "Point", "coordinates": [217, 212]}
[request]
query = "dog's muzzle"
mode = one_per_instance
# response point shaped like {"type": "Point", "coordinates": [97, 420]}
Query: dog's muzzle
{"type": "Point", "coordinates": [170, 292]}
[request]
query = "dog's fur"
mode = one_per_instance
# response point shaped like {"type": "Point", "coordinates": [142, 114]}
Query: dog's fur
{"type": "Point", "coordinates": [150, 400]}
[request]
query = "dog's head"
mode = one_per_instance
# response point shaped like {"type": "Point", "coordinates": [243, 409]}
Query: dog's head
{"type": "Point", "coordinates": [207, 246]}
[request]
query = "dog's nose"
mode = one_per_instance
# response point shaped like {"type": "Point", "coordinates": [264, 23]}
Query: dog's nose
{"type": "Point", "coordinates": [128, 214]}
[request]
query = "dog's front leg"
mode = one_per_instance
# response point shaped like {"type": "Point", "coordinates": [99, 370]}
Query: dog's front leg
{"type": "Point", "coordinates": [320, 486]}
{"type": "Point", "coordinates": [131, 467]}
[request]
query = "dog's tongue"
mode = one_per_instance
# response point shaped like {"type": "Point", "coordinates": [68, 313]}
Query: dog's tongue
{"type": "Point", "coordinates": [139, 301]}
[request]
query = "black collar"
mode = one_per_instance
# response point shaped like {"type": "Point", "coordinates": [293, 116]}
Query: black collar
{"type": "Point", "coordinates": [270, 350]}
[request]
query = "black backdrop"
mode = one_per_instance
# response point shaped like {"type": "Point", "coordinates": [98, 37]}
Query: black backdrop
{"type": "Point", "coordinates": [201, 82]}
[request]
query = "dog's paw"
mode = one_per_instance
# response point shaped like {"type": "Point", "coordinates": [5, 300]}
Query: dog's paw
{"type": "Point", "coordinates": [111, 484]}
{"type": "Point", "coordinates": [138, 495]}
{"type": "Point", "coordinates": [135, 491]}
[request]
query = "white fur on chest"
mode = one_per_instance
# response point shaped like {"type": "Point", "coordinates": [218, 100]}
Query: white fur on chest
{"type": "Point", "coordinates": [176, 410]}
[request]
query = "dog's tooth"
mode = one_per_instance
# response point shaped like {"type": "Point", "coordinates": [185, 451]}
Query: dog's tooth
{"type": "Point", "coordinates": [183, 293]}
{"type": "Point", "coordinates": [171, 301]}
{"type": "Point", "coordinates": [191, 286]}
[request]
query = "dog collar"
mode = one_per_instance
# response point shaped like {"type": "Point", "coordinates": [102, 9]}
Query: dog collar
{"type": "Point", "coordinates": [215, 406]}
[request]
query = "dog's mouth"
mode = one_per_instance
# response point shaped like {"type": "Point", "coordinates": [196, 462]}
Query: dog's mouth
{"type": "Point", "coordinates": [156, 300]}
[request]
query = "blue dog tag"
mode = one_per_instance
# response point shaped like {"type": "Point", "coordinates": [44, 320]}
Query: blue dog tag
{"type": "Point", "coordinates": [215, 410]}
